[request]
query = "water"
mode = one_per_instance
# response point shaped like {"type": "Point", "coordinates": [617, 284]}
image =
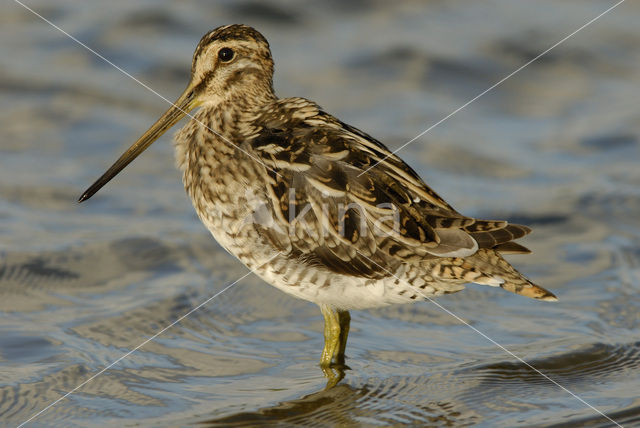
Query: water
{"type": "Point", "coordinates": [555, 147]}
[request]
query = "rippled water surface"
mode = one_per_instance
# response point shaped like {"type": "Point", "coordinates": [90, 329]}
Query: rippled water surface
{"type": "Point", "coordinates": [555, 147]}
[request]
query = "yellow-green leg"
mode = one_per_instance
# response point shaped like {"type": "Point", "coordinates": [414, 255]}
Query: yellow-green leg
{"type": "Point", "coordinates": [336, 330]}
{"type": "Point", "coordinates": [344, 319]}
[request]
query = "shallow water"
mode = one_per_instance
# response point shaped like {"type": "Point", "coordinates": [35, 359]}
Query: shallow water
{"type": "Point", "coordinates": [555, 147]}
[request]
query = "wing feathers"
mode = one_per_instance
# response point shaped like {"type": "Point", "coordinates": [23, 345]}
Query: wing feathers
{"type": "Point", "coordinates": [355, 220]}
{"type": "Point", "coordinates": [493, 238]}
{"type": "Point", "coordinates": [512, 248]}
{"type": "Point", "coordinates": [454, 243]}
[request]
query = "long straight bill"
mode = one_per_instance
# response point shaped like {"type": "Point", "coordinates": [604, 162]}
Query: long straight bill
{"type": "Point", "coordinates": [180, 108]}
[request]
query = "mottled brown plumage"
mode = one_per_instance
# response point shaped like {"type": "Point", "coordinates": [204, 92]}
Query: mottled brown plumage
{"type": "Point", "coordinates": [290, 190]}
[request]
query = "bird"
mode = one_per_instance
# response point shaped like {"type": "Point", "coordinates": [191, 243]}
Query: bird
{"type": "Point", "coordinates": [316, 207]}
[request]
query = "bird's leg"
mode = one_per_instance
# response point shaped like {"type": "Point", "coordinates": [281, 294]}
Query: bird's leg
{"type": "Point", "coordinates": [331, 335]}
{"type": "Point", "coordinates": [336, 330]}
{"type": "Point", "coordinates": [344, 319]}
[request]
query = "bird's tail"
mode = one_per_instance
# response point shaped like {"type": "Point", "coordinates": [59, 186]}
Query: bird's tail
{"type": "Point", "coordinates": [499, 273]}
{"type": "Point", "coordinates": [529, 289]}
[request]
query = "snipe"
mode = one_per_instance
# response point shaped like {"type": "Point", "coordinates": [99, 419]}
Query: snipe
{"type": "Point", "coordinates": [282, 186]}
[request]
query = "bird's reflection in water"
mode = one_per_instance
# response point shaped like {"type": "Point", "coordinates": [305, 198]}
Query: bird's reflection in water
{"type": "Point", "coordinates": [344, 404]}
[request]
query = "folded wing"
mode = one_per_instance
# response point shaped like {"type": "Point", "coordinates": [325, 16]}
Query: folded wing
{"type": "Point", "coordinates": [331, 209]}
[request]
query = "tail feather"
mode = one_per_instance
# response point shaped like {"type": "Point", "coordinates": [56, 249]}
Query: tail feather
{"type": "Point", "coordinates": [491, 263]}
{"type": "Point", "coordinates": [529, 289]}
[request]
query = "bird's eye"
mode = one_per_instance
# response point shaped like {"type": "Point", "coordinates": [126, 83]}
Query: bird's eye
{"type": "Point", "coordinates": [225, 54]}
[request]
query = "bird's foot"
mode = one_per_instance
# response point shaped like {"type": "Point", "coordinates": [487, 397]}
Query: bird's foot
{"type": "Point", "coordinates": [334, 374]}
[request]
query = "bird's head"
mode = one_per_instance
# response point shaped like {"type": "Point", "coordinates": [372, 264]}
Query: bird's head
{"type": "Point", "coordinates": [231, 64]}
